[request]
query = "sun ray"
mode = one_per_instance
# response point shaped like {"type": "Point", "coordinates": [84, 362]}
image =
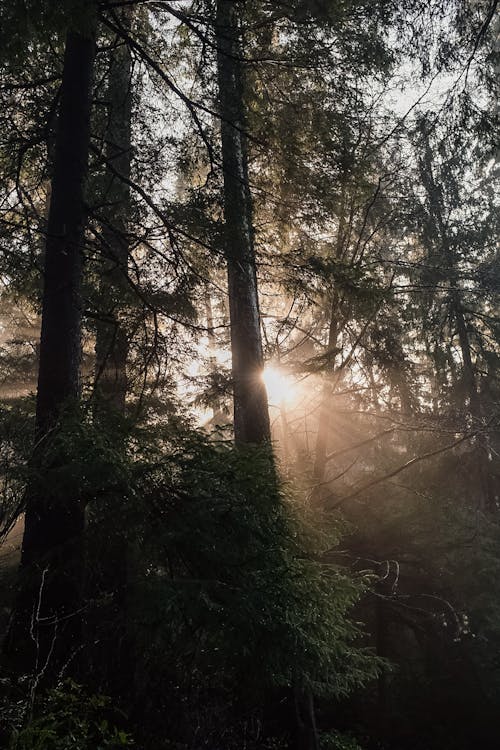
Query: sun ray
{"type": "Point", "coordinates": [280, 387]}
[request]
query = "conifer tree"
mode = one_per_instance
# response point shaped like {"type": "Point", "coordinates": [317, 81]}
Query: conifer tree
{"type": "Point", "coordinates": [251, 416]}
{"type": "Point", "coordinates": [111, 336]}
{"type": "Point", "coordinates": [45, 629]}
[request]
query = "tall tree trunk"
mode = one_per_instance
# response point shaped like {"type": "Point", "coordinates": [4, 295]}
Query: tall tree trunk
{"type": "Point", "coordinates": [307, 731]}
{"type": "Point", "coordinates": [251, 415]}
{"type": "Point", "coordinates": [45, 629]}
{"type": "Point", "coordinates": [111, 339]}
{"type": "Point", "coordinates": [114, 654]}
{"type": "Point", "coordinates": [320, 490]}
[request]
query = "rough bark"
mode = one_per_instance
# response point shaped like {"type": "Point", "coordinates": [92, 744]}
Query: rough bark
{"type": "Point", "coordinates": [45, 628]}
{"type": "Point", "coordinates": [251, 416]}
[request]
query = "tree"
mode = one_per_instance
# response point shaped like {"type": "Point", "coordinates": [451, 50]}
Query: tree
{"type": "Point", "coordinates": [444, 241]}
{"type": "Point", "coordinates": [251, 416]}
{"type": "Point", "coordinates": [49, 597]}
{"type": "Point", "coordinates": [111, 336]}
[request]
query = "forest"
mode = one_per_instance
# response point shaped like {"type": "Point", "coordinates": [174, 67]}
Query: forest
{"type": "Point", "coordinates": [249, 375]}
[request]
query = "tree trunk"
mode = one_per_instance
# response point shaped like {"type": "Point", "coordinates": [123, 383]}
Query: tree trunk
{"type": "Point", "coordinates": [251, 416]}
{"type": "Point", "coordinates": [45, 628]}
{"type": "Point", "coordinates": [307, 731]}
{"type": "Point", "coordinates": [111, 338]}
{"type": "Point", "coordinates": [114, 653]}
{"type": "Point", "coordinates": [320, 490]}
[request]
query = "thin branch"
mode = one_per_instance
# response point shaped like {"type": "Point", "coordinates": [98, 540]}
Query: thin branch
{"type": "Point", "coordinates": [403, 467]}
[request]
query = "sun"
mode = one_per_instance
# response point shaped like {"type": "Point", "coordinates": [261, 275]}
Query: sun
{"type": "Point", "coordinates": [280, 387]}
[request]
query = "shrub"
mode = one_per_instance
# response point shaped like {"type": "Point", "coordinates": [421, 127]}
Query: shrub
{"type": "Point", "coordinates": [69, 718]}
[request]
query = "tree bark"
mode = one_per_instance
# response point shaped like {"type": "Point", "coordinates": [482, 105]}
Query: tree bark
{"type": "Point", "coordinates": [251, 416]}
{"type": "Point", "coordinates": [45, 628]}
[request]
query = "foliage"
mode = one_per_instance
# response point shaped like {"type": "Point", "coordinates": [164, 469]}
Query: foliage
{"type": "Point", "coordinates": [78, 459]}
{"type": "Point", "coordinates": [213, 591]}
{"type": "Point", "coordinates": [338, 741]}
{"type": "Point", "coordinates": [69, 718]}
{"type": "Point", "coordinates": [16, 427]}
{"type": "Point", "coordinates": [222, 566]}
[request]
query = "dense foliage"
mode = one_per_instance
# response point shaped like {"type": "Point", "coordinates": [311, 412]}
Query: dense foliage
{"type": "Point", "coordinates": [249, 391]}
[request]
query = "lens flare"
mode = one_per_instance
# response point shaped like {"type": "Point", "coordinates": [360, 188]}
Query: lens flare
{"type": "Point", "coordinates": [280, 387]}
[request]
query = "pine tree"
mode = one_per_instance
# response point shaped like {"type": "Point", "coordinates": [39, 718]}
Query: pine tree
{"type": "Point", "coordinates": [49, 599]}
{"type": "Point", "coordinates": [251, 416]}
{"type": "Point", "coordinates": [111, 336]}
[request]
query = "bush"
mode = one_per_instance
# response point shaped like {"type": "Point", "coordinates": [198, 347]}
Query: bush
{"type": "Point", "coordinates": [207, 602]}
{"type": "Point", "coordinates": [69, 718]}
{"type": "Point", "coordinates": [338, 741]}
{"type": "Point", "coordinates": [227, 601]}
